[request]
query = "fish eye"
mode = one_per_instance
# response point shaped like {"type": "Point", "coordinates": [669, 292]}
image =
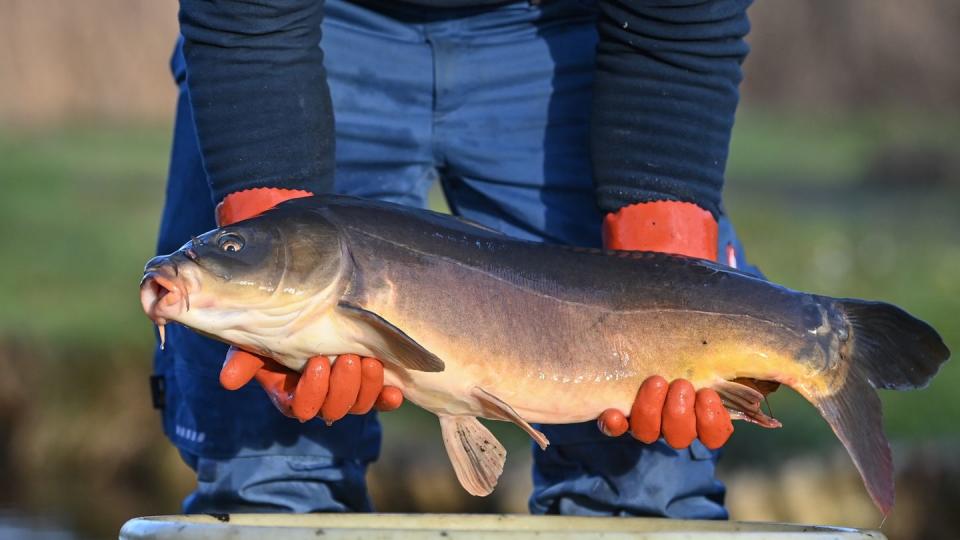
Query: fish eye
{"type": "Point", "coordinates": [230, 242]}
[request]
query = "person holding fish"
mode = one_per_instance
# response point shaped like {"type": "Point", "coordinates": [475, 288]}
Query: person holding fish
{"type": "Point", "coordinates": [580, 122]}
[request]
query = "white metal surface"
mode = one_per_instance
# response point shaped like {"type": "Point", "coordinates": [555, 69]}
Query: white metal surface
{"type": "Point", "coordinates": [464, 527]}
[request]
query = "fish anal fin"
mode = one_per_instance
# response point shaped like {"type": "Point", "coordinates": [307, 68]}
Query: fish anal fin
{"type": "Point", "coordinates": [497, 408]}
{"type": "Point", "coordinates": [744, 403]}
{"type": "Point", "coordinates": [398, 346]}
{"type": "Point", "coordinates": [764, 387]}
{"type": "Point", "coordinates": [476, 455]}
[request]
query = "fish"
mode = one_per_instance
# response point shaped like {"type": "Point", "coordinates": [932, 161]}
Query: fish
{"type": "Point", "coordinates": [471, 323]}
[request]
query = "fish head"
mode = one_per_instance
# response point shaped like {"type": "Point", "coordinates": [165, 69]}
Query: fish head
{"type": "Point", "coordinates": [248, 283]}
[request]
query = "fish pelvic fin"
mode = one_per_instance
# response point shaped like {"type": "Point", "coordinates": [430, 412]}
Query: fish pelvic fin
{"type": "Point", "coordinates": [397, 347]}
{"type": "Point", "coordinates": [476, 455]}
{"type": "Point", "coordinates": [495, 407]}
{"type": "Point", "coordinates": [885, 347]}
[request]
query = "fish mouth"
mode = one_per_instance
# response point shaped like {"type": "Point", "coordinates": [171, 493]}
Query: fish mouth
{"type": "Point", "coordinates": [163, 293]}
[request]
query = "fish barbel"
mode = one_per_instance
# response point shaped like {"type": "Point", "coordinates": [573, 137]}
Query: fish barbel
{"type": "Point", "coordinates": [472, 323]}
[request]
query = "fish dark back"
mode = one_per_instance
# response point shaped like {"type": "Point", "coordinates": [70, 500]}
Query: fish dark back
{"type": "Point", "coordinates": [614, 280]}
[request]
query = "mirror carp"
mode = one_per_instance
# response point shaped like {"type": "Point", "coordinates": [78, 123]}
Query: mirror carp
{"type": "Point", "coordinates": [471, 323]}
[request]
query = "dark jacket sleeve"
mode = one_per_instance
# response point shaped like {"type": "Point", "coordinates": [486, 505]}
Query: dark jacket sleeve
{"type": "Point", "coordinates": [664, 99]}
{"type": "Point", "coordinates": [259, 93]}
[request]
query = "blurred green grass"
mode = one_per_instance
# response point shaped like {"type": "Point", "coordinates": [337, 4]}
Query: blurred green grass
{"type": "Point", "coordinates": [79, 214]}
{"type": "Point", "coordinates": [824, 148]}
{"type": "Point", "coordinates": [81, 206]}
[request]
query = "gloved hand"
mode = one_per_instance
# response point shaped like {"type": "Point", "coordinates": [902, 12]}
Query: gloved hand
{"type": "Point", "coordinates": [353, 385]}
{"type": "Point", "coordinates": [674, 411]}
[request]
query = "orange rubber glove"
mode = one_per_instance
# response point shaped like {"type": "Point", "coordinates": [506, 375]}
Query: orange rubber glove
{"type": "Point", "coordinates": [352, 385]}
{"type": "Point", "coordinates": [674, 411]}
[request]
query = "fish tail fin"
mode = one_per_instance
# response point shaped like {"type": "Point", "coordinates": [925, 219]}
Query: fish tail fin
{"type": "Point", "coordinates": [891, 348]}
{"type": "Point", "coordinates": [854, 414]}
{"type": "Point", "coordinates": [886, 348]}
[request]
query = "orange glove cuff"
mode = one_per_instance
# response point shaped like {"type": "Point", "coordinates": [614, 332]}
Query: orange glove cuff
{"type": "Point", "coordinates": [680, 228]}
{"type": "Point", "coordinates": [241, 205]}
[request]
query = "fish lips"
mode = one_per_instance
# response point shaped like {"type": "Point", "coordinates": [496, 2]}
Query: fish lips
{"type": "Point", "coordinates": [163, 293]}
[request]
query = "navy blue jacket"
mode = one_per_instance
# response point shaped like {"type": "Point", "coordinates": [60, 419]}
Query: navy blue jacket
{"type": "Point", "coordinates": [664, 97]}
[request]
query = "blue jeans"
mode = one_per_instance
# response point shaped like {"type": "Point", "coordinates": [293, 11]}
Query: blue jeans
{"type": "Point", "coordinates": [494, 104]}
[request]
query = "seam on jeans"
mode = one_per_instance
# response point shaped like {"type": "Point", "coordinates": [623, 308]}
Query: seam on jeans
{"type": "Point", "coordinates": [436, 152]}
{"type": "Point", "coordinates": [262, 456]}
{"type": "Point", "coordinates": [360, 30]}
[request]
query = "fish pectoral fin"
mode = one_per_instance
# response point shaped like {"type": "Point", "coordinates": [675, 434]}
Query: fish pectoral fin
{"type": "Point", "coordinates": [500, 409]}
{"type": "Point", "coordinates": [476, 455]}
{"type": "Point", "coordinates": [743, 402]}
{"type": "Point", "coordinates": [403, 349]}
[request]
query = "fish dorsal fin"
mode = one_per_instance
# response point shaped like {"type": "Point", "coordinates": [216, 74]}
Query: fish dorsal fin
{"type": "Point", "coordinates": [395, 345]}
{"type": "Point", "coordinates": [477, 456]}
{"type": "Point", "coordinates": [500, 409]}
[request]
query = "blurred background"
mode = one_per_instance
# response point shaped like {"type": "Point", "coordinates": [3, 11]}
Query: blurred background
{"type": "Point", "coordinates": [844, 178]}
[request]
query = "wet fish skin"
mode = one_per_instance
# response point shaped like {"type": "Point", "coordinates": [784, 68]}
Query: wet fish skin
{"type": "Point", "coordinates": [473, 323]}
